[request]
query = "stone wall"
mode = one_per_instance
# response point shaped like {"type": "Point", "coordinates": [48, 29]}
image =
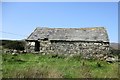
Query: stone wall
{"type": "Point", "coordinates": [86, 49]}
{"type": "Point", "coordinates": [30, 47]}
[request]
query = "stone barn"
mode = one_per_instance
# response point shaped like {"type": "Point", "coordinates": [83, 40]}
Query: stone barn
{"type": "Point", "coordinates": [89, 42]}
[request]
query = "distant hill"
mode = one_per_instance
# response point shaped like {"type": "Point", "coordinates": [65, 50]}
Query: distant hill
{"type": "Point", "coordinates": [13, 44]}
{"type": "Point", "coordinates": [115, 45]}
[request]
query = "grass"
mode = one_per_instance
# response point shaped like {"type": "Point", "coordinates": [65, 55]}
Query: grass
{"type": "Point", "coordinates": [54, 66]}
{"type": "Point", "coordinates": [0, 66]}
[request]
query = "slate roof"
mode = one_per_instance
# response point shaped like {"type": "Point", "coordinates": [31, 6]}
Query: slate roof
{"type": "Point", "coordinates": [70, 34]}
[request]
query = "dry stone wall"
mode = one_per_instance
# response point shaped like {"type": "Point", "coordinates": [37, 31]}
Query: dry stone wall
{"type": "Point", "coordinates": [30, 47]}
{"type": "Point", "coordinates": [86, 49]}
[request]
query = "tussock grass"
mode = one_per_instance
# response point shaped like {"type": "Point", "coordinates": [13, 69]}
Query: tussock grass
{"type": "Point", "coordinates": [55, 66]}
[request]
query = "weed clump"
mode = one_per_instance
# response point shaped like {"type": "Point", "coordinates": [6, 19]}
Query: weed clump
{"type": "Point", "coordinates": [99, 64]}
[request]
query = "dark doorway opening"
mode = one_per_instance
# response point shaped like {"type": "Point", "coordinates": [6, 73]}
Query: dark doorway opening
{"type": "Point", "coordinates": [37, 46]}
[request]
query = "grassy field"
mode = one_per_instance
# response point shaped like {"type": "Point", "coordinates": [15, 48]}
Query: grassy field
{"type": "Point", "coordinates": [53, 66]}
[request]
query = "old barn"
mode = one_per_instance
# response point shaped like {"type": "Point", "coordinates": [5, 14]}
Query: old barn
{"type": "Point", "coordinates": [89, 42]}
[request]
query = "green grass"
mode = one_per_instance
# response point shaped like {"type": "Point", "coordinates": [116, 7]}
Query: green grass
{"type": "Point", "coordinates": [0, 66]}
{"type": "Point", "coordinates": [49, 66]}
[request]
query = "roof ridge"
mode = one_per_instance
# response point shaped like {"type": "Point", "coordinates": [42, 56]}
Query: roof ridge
{"type": "Point", "coordinates": [72, 28]}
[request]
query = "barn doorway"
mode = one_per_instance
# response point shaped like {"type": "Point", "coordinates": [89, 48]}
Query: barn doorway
{"type": "Point", "coordinates": [37, 46]}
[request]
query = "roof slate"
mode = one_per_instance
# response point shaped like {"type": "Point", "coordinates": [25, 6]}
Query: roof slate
{"type": "Point", "coordinates": [70, 34]}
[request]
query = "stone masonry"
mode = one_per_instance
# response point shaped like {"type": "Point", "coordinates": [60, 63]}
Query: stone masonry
{"type": "Point", "coordinates": [88, 42]}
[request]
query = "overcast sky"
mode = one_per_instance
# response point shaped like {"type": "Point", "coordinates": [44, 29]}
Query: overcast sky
{"type": "Point", "coordinates": [19, 19]}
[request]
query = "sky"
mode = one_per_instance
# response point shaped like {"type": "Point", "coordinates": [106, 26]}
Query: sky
{"type": "Point", "coordinates": [19, 19]}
